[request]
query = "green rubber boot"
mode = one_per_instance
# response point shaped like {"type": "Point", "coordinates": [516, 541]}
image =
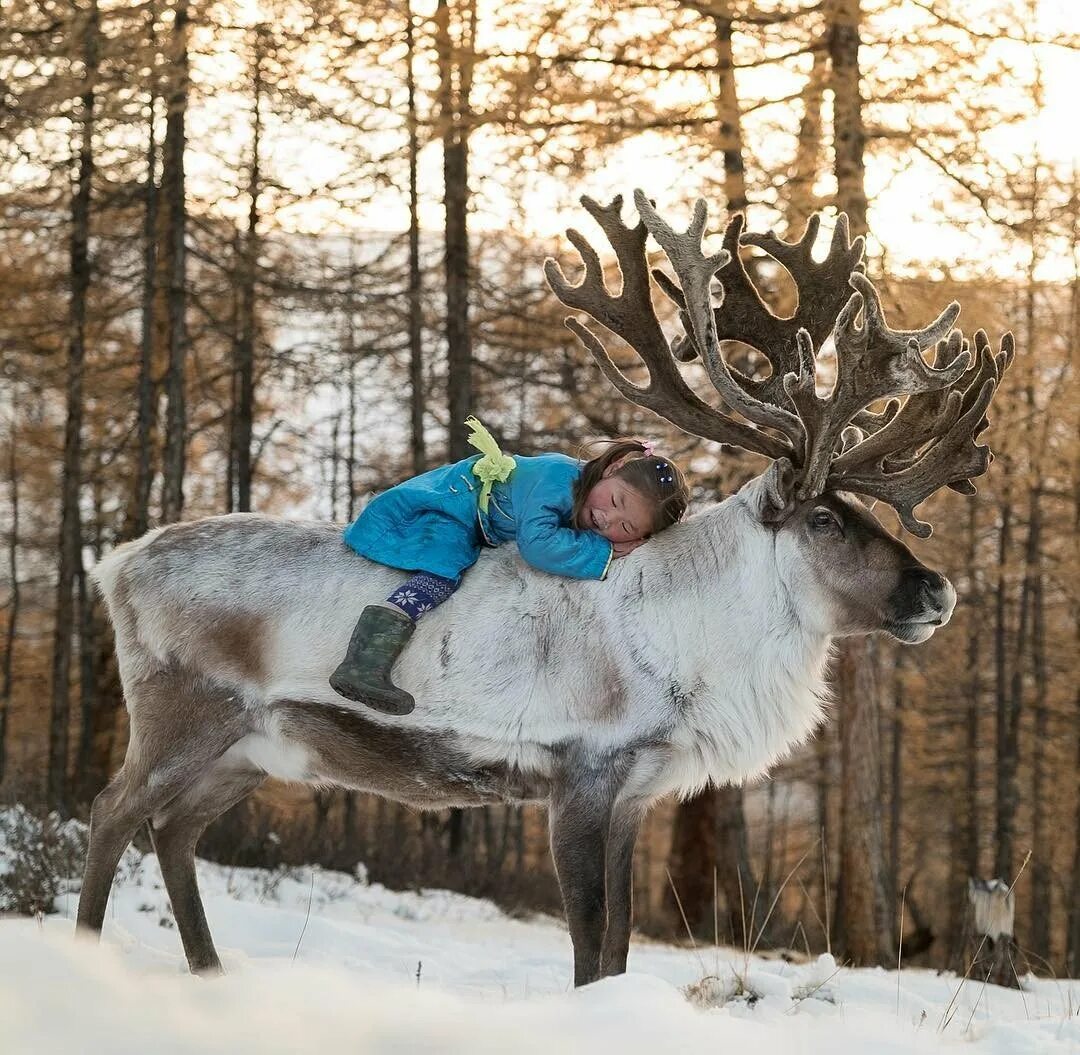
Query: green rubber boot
{"type": "Point", "coordinates": [364, 674]}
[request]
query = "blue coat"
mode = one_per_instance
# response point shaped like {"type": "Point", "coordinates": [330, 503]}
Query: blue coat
{"type": "Point", "coordinates": [433, 522]}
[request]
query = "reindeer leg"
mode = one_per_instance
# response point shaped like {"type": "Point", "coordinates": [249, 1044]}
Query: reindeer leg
{"type": "Point", "coordinates": [175, 833]}
{"type": "Point", "coordinates": [180, 723]}
{"type": "Point", "coordinates": [115, 816]}
{"type": "Point", "coordinates": [625, 823]}
{"type": "Point", "coordinates": [580, 819]}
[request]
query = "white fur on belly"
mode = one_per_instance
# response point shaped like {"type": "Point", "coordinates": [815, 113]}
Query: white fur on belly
{"type": "Point", "coordinates": [275, 756]}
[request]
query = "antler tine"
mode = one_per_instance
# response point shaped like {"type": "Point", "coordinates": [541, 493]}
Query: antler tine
{"type": "Point", "coordinates": [945, 452]}
{"type": "Point", "coordinates": [922, 417]}
{"type": "Point", "coordinates": [996, 363]}
{"type": "Point", "coordinates": [743, 316]}
{"type": "Point", "coordinates": [874, 363]}
{"type": "Point", "coordinates": [870, 421]}
{"type": "Point", "coordinates": [918, 422]}
{"type": "Point", "coordinates": [955, 457]}
{"type": "Point", "coordinates": [844, 255]}
{"type": "Point", "coordinates": [887, 341]}
{"type": "Point", "coordinates": [630, 316]}
{"type": "Point", "coordinates": [801, 389]}
{"type": "Point", "coordinates": [695, 271]}
{"type": "Point", "coordinates": [967, 388]}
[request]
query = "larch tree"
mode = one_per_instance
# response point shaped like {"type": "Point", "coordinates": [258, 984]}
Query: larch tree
{"type": "Point", "coordinates": [85, 36]}
{"type": "Point", "coordinates": [174, 199]}
{"type": "Point", "coordinates": [863, 915]}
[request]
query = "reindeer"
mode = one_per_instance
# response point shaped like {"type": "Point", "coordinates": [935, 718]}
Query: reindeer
{"type": "Point", "coordinates": [701, 659]}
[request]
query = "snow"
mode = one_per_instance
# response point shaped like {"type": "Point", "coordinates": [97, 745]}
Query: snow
{"type": "Point", "coordinates": [318, 961]}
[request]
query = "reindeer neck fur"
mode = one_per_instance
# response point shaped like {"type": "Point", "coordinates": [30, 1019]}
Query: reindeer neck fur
{"type": "Point", "coordinates": [738, 656]}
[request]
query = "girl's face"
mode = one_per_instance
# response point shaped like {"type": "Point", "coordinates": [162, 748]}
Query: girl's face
{"type": "Point", "coordinates": [615, 510]}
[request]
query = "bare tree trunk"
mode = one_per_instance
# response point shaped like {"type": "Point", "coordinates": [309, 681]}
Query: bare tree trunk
{"type": "Point", "coordinates": [965, 862]}
{"type": "Point", "coordinates": [709, 846]}
{"type": "Point", "coordinates": [734, 872]}
{"type": "Point", "coordinates": [862, 912]}
{"type": "Point", "coordinates": [70, 544]}
{"type": "Point", "coordinates": [249, 271]}
{"type": "Point", "coordinates": [767, 871]}
{"type": "Point", "coordinates": [731, 145]}
{"type": "Point", "coordinates": [89, 696]}
{"type": "Point", "coordinates": [1032, 616]}
{"type": "Point", "coordinates": [173, 188]}
{"type": "Point", "coordinates": [1009, 716]}
{"type": "Point", "coordinates": [146, 414]}
{"type": "Point", "coordinates": [801, 201]}
{"type": "Point", "coordinates": [234, 383]}
{"type": "Point", "coordinates": [1072, 937]}
{"type": "Point", "coordinates": [416, 351]}
{"type": "Point", "coordinates": [350, 453]}
{"type": "Point", "coordinates": [896, 789]}
{"type": "Point", "coordinates": [844, 17]}
{"type": "Point", "coordinates": [974, 663]}
{"type": "Point", "coordinates": [823, 751]}
{"type": "Point", "coordinates": [335, 462]}
{"type": "Point", "coordinates": [7, 677]}
{"type": "Point", "coordinates": [1006, 724]}
{"type": "Point", "coordinates": [455, 70]}
{"type": "Point", "coordinates": [694, 855]}
{"type": "Point", "coordinates": [95, 709]}
{"type": "Point", "coordinates": [1041, 893]}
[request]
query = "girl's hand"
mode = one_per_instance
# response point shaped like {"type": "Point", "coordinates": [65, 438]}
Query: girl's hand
{"type": "Point", "coordinates": [621, 549]}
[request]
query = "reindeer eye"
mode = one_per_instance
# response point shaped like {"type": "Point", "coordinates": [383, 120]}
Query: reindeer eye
{"type": "Point", "coordinates": [824, 518]}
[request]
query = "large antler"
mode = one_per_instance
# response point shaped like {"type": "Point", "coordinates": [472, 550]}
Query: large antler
{"type": "Point", "coordinates": [923, 438]}
{"type": "Point", "coordinates": [630, 315]}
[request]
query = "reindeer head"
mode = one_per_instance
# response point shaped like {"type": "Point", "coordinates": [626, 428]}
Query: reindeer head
{"type": "Point", "coordinates": [893, 427]}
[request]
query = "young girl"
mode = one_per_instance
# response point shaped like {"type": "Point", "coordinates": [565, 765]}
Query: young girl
{"type": "Point", "coordinates": [567, 518]}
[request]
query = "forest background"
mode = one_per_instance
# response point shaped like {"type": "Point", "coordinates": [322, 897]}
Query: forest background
{"type": "Point", "coordinates": [268, 255]}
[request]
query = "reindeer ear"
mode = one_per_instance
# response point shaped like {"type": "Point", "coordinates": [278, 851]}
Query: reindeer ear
{"type": "Point", "coordinates": [777, 491]}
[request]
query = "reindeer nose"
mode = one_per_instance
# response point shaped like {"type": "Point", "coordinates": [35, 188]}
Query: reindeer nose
{"type": "Point", "coordinates": [926, 585]}
{"type": "Point", "coordinates": [927, 590]}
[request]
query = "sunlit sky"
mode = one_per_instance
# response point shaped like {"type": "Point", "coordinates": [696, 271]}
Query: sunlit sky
{"type": "Point", "coordinates": [913, 205]}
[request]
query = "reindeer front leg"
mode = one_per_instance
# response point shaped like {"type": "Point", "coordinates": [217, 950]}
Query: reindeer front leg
{"type": "Point", "coordinates": [580, 818]}
{"type": "Point", "coordinates": [622, 835]}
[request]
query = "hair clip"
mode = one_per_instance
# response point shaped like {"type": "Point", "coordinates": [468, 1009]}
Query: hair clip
{"type": "Point", "coordinates": [648, 446]}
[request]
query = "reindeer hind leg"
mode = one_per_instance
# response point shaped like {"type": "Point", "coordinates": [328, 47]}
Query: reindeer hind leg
{"type": "Point", "coordinates": [180, 723]}
{"type": "Point", "coordinates": [114, 818]}
{"type": "Point", "coordinates": [176, 832]}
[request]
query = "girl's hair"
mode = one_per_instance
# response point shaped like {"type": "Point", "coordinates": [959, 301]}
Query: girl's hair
{"type": "Point", "coordinates": [657, 479]}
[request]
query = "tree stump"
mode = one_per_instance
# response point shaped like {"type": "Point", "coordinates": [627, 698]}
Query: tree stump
{"type": "Point", "coordinates": [989, 946]}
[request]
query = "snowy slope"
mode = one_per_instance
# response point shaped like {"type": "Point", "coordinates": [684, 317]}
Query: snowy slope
{"type": "Point", "coordinates": [322, 962]}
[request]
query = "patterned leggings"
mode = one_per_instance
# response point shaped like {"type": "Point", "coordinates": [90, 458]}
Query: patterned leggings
{"type": "Point", "coordinates": [421, 593]}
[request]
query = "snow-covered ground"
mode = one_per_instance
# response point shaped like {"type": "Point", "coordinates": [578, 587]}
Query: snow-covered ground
{"type": "Point", "coordinates": [324, 962]}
